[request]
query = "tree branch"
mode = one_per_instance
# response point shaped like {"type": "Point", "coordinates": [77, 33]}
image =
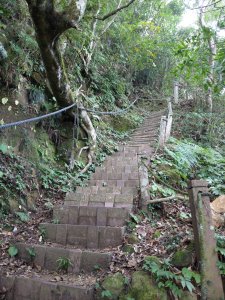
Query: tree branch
{"type": "Point", "coordinates": [115, 11]}
{"type": "Point", "coordinates": [204, 6]}
{"type": "Point", "coordinates": [167, 199]}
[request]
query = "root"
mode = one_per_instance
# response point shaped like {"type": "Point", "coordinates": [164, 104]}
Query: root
{"type": "Point", "coordinates": [90, 160]}
{"type": "Point", "coordinates": [92, 137]}
{"type": "Point", "coordinates": [81, 150]}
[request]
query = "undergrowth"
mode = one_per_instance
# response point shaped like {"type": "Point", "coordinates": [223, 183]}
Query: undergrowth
{"type": "Point", "coordinates": [182, 160]}
{"type": "Point", "coordinates": [167, 278]}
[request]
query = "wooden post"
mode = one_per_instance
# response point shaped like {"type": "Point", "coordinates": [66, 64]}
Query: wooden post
{"type": "Point", "coordinates": [144, 182]}
{"type": "Point", "coordinates": [162, 133]}
{"type": "Point", "coordinates": [176, 92]}
{"type": "Point", "coordinates": [169, 121]}
{"type": "Point", "coordinates": [205, 244]}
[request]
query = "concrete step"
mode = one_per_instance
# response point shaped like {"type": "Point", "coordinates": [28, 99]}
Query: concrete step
{"type": "Point", "coordinates": [108, 189]}
{"type": "Point", "coordinates": [102, 199]}
{"type": "Point", "coordinates": [46, 257]}
{"type": "Point", "coordinates": [87, 215]}
{"type": "Point", "coordinates": [134, 143]}
{"type": "Point", "coordinates": [115, 183]}
{"type": "Point", "coordinates": [26, 288]}
{"type": "Point", "coordinates": [140, 138]}
{"type": "Point", "coordinates": [146, 130]}
{"type": "Point", "coordinates": [144, 133]}
{"type": "Point", "coordinates": [143, 138]}
{"type": "Point", "coordinates": [115, 175]}
{"type": "Point", "coordinates": [84, 236]}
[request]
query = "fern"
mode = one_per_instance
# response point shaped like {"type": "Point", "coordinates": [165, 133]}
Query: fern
{"type": "Point", "coordinates": [186, 158]}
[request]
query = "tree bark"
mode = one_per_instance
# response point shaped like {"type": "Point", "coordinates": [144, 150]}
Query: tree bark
{"type": "Point", "coordinates": [211, 40]}
{"type": "Point", "coordinates": [49, 25]}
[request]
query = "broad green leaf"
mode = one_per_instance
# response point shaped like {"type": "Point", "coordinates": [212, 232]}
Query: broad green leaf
{"type": "Point", "coordinates": [24, 217]}
{"type": "Point", "coordinates": [4, 100]}
{"type": "Point", "coordinates": [12, 251]}
{"type": "Point", "coordinates": [135, 218]}
{"type": "Point", "coordinates": [3, 148]}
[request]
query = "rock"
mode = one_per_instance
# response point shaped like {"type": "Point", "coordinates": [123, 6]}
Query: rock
{"type": "Point", "coordinates": [115, 284]}
{"type": "Point", "coordinates": [188, 296]}
{"type": "Point", "coordinates": [132, 239]}
{"type": "Point", "coordinates": [128, 249]}
{"type": "Point", "coordinates": [183, 258]}
{"type": "Point", "coordinates": [218, 211]}
{"type": "Point", "coordinates": [143, 288]}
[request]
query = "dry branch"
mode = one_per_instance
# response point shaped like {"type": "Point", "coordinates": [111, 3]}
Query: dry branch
{"type": "Point", "coordinates": [159, 200]}
{"type": "Point", "coordinates": [114, 11]}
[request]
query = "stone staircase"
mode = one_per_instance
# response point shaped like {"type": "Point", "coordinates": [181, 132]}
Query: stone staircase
{"type": "Point", "coordinates": [88, 226]}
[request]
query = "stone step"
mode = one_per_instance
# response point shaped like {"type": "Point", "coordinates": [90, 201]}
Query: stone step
{"type": "Point", "coordinates": [122, 160]}
{"type": "Point", "coordinates": [87, 215]}
{"type": "Point", "coordinates": [46, 257]}
{"type": "Point", "coordinates": [114, 175]}
{"type": "Point", "coordinates": [84, 236]}
{"type": "Point", "coordinates": [143, 138]}
{"type": "Point", "coordinates": [134, 143]}
{"type": "Point", "coordinates": [140, 138]}
{"type": "Point", "coordinates": [117, 169]}
{"type": "Point", "coordinates": [144, 133]}
{"type": "Point", "coordinates": [26, 288]}
{"type": "Point", "coordinates": [116, 183]}
{"type": "Point", "coordinates": [107, 189]}
{"type": "Point", "coordinates": [147, 128]}
{"type": "Point", "coordinates": [101, 199]}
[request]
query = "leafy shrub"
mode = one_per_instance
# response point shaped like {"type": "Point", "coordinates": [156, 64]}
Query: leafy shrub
{"type": "Point", "coordinates": [164, 276]}
{"type": "Point", "coordinates": [64, 263]}
{"type": "Point", "coordinates": [183, 159]}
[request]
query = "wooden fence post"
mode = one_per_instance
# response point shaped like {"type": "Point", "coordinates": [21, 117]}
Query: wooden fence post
{"type": "Point", "coordinates": [205, 244]}
{"type": "Point", "coordinates": [144, 182]}
{"type": "Point", "coordinates": [176, 92]}
{"type": "Point", "coordinates": [169, 121]}
{"type": "Point", "coordinates": [162, 133]}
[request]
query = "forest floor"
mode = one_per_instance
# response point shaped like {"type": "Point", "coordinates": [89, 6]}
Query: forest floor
{"type": "Point", "coordinates": [160, 232]}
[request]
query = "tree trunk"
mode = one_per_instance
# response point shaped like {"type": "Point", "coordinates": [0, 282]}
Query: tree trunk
{"type": "Point", "coordinates": [49, 25]}
{"type": "Point", "coordinates": [211, 40]}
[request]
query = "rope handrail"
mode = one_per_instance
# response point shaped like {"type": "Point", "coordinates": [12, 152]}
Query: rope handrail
{"type": "Point", "coordinates": [17, 123]}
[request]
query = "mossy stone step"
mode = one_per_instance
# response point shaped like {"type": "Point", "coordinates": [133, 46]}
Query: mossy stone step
{"type": "Point", "coordinates": [47, 257]}
{"type": "Point", "coordinates": [103, 199]}
{"type": "Point", "coordinates": [84, 236]}
{"type": "Point", "coordinates": [25, 288]}
{"type": "Point", "coordinates": [87, 215]}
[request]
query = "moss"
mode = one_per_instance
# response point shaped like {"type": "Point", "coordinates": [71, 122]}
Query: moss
{"type": "Point", "coordinates": [183, 258]}
{"type": "Point", "coordinates": [188, 296]}
{"type": "Point", "coordinates": [122, 124]}
{"type": "Point", "coordinates": [128, 249]}
{"type": "Point", "coordinates": [132, 239]}
{"type": "Point", "coordinates": [153, 259]}
{"type": "Point", "coordinates": [173, 175]}
{"type": "Point", "coordinates": [143, 288]}
{"type": "Point", "coordinates": [156, 234]}
{"type": "Point", "coordinates": [41, 148]}
{"type": "Point", "coordinates": [115, 284]}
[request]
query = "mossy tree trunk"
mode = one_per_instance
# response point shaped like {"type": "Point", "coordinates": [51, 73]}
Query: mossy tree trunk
{"type": "Point", "coordinates": [49, 26]}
